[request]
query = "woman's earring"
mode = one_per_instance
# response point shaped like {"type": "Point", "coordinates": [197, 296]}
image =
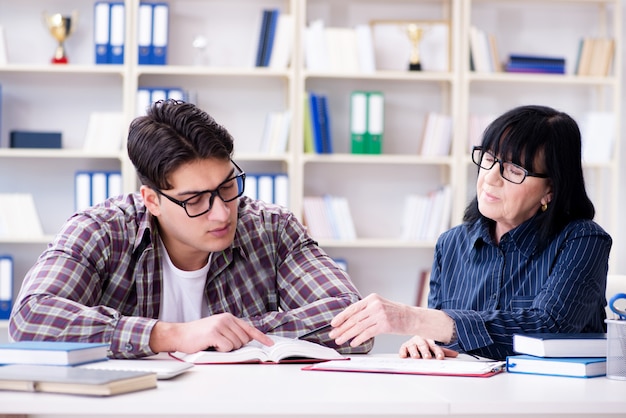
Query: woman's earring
{"type": "Point", "coordinates": [544, 207]}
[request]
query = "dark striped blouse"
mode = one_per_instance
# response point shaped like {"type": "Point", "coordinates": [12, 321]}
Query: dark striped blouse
{"type": "Point", "coordinates": [494, 291]}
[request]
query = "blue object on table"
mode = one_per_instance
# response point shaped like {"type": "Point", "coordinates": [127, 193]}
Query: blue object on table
{"type": "Point", "coordinates": [620, 312]}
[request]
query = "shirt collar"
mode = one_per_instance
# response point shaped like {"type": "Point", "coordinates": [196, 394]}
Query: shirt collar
{"type": "Point", "coordinates": [524, 237]}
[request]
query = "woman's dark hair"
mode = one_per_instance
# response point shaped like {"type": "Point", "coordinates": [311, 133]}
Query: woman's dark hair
{"type": "Point", "coordinates": [171, 134]}
{"type": "Point", "coordinates": [526, 133]}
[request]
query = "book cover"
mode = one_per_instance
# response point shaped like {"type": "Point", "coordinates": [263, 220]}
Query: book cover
{"type": "Point", "coordinates": [559, 366]}
{"type": "Point", "coordinates": [56, 353]}
{"type": "Point", "coordinates": [561, 344]}
{"type": "Point", "coordinates": [268, 46]}
{"type": "Point", "coordinates": [397, 365]}
{"type": "Point", "coordinates": [74, 380]}
{"type": "Point", "coordinates": [6, 286]}
{"type": "Point", "coordinates": [284, 350]}
{"type": "Point", "coordinates": [325, 127]}
{"type": "Point", "coordinates": [316, 123]}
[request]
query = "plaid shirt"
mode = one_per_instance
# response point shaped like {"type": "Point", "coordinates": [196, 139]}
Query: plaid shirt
{"type": "Point", "coordinates": [100, 279]}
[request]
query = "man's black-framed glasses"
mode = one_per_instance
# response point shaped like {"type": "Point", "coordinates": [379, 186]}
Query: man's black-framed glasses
{"type": "Point", "coordinates": [200, 203]}
{"type": "Point", "coordinates": [508, 170]}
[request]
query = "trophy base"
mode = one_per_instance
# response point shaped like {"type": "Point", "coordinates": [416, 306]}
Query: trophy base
{"type": "Point", "coordinates": [415, 67]}
{"type": "Point", "coordinates": [62, 60]}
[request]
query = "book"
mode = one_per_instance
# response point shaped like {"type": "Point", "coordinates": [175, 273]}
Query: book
{"type": "Point", "coordinates": [163, 366]}
{"type": "Point", "coordinates": [6, 286]}
{"type": "Point", "coordinates": [561, 345]}
{"type": "Point", "coordinates": [18, 216]}
{"type": "Point", "coordinates": [73, 380]}
{"type": "Point", "coordinates": [284, 350]}
{"type": "Point", "coordinates": [58, 353]}
{"type": "Point", "coordinates": [398, 365]}
{"type": "Point", "coordinates": [559, 366]}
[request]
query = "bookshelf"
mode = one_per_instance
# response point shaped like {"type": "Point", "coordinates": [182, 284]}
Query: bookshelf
{"type": "Point", "coordinates": [223, 81]}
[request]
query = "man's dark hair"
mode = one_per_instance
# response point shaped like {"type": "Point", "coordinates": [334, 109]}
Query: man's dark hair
{"type": "Point", "coordinates": [171, 134]}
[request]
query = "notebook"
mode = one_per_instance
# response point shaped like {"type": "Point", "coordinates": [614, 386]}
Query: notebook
{"type": "Point", "coordinates": [164, 369]}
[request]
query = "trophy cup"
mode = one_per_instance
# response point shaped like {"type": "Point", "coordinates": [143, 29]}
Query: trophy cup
{"type": "Point", "coordinates": [415, 32]}
{"type": "Point", "coordinates": [61, 27]}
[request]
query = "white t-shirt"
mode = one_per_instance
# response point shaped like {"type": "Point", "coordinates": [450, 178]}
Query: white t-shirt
{"type": "Point", "coordinates": [183, 297]}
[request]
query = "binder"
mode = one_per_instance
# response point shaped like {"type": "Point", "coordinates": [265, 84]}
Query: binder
{"type": "Point", "coordinates": [101, 28]}
{"type": "Point", "coordinates": [358, 121]}
{"type": "Point", "coordinates": [114, 184]}
{"type": "Point", "coordinates": [160, 29]}
{"type": "Point", "coordinates": [281, 189]}
{"type": "Point", "coordinates": [375, 122]}
{"type": "Point", "coordinates": [143, 101]}
{"type": "Point", "coordinates": [144, 33]}
{"type": "Point", "coordinates": [117, 33]}
{"type": "Point", "coordinates": [98, 187]}
{"type": "Point", "coordinates": [250, 188]}
{"type": "Point", "coordinates": [265, 188]}
{"type": "Point", "coordinates": [157, 93]}
{"type": "Point", "coordinates": [6, 286]}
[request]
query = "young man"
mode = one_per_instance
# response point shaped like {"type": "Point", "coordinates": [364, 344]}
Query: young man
{"type": "Point", "coordinates": [187, 263]}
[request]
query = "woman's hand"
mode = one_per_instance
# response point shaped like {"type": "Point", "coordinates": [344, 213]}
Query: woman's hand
{"type": "Point", "coordinates": [418, 347]}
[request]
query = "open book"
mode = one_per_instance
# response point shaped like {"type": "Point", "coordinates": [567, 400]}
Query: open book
{"type": "Point", "coordinates": [284, 350]}
{"type": "Point", "coordinates": [397, 365]}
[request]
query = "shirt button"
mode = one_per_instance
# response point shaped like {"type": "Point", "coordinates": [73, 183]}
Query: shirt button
{"type": "Point", "coordinates": [128, 347]}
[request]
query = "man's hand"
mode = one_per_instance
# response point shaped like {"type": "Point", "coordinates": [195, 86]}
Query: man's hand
{"type": "Point", "coordinates": [223, 332]}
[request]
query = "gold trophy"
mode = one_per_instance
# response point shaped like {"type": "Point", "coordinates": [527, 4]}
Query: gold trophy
{"type": "Point", "coordinates": [415, 32]}
{"type": "Point", "coordinates": [61, 27]}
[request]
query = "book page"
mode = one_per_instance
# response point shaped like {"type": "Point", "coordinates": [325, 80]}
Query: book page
{"type": "Point", "coordinates": [254, 352]}
{"type": "Point", "coordinates": [289, 348]}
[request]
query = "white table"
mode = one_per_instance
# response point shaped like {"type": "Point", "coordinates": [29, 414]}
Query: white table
{"type": "Point", "coordinates": [285, 390]}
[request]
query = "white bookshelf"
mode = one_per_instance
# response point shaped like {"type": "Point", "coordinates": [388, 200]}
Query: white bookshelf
{"type": "Point", "coordinates": [41, 96]}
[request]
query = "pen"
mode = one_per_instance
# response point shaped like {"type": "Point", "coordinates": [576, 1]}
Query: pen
{"type": "Point", "coordinates": [315, 331]}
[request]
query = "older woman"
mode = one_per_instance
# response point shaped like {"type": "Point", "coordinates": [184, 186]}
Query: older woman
{"type": "Point", "coordinates": [527, 258]}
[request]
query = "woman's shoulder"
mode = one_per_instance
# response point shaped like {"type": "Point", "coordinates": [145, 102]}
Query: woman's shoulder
{"type": "Point", "coordinates": [585, 227]}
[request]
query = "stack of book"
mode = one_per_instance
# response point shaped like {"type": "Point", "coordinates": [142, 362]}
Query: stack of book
{"type": "Point", "coordinates": [49, 366]}
{"type": "Point", "coordinates": [427, 216]}
{"type": "Point", "coordinates": [535, 64]}
{"type": "Point", "coordinates": [275, 40]}
{"type": "Point", "coordinates": [555, 354]}
{"type": "Point", "coordinates": [328, 217]}
{"type": "Point", "coordinates": [437, 135]}
{"type": "Point", "coordinates": [595, 57]}
{"type": "Point", "coordinates": [317, 129]}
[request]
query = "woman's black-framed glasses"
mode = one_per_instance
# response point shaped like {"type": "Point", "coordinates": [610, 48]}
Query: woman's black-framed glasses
{"type": "Point", "coordinates": [200, 203]}
{"type": "Point", "coordinates": [508, 170]}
